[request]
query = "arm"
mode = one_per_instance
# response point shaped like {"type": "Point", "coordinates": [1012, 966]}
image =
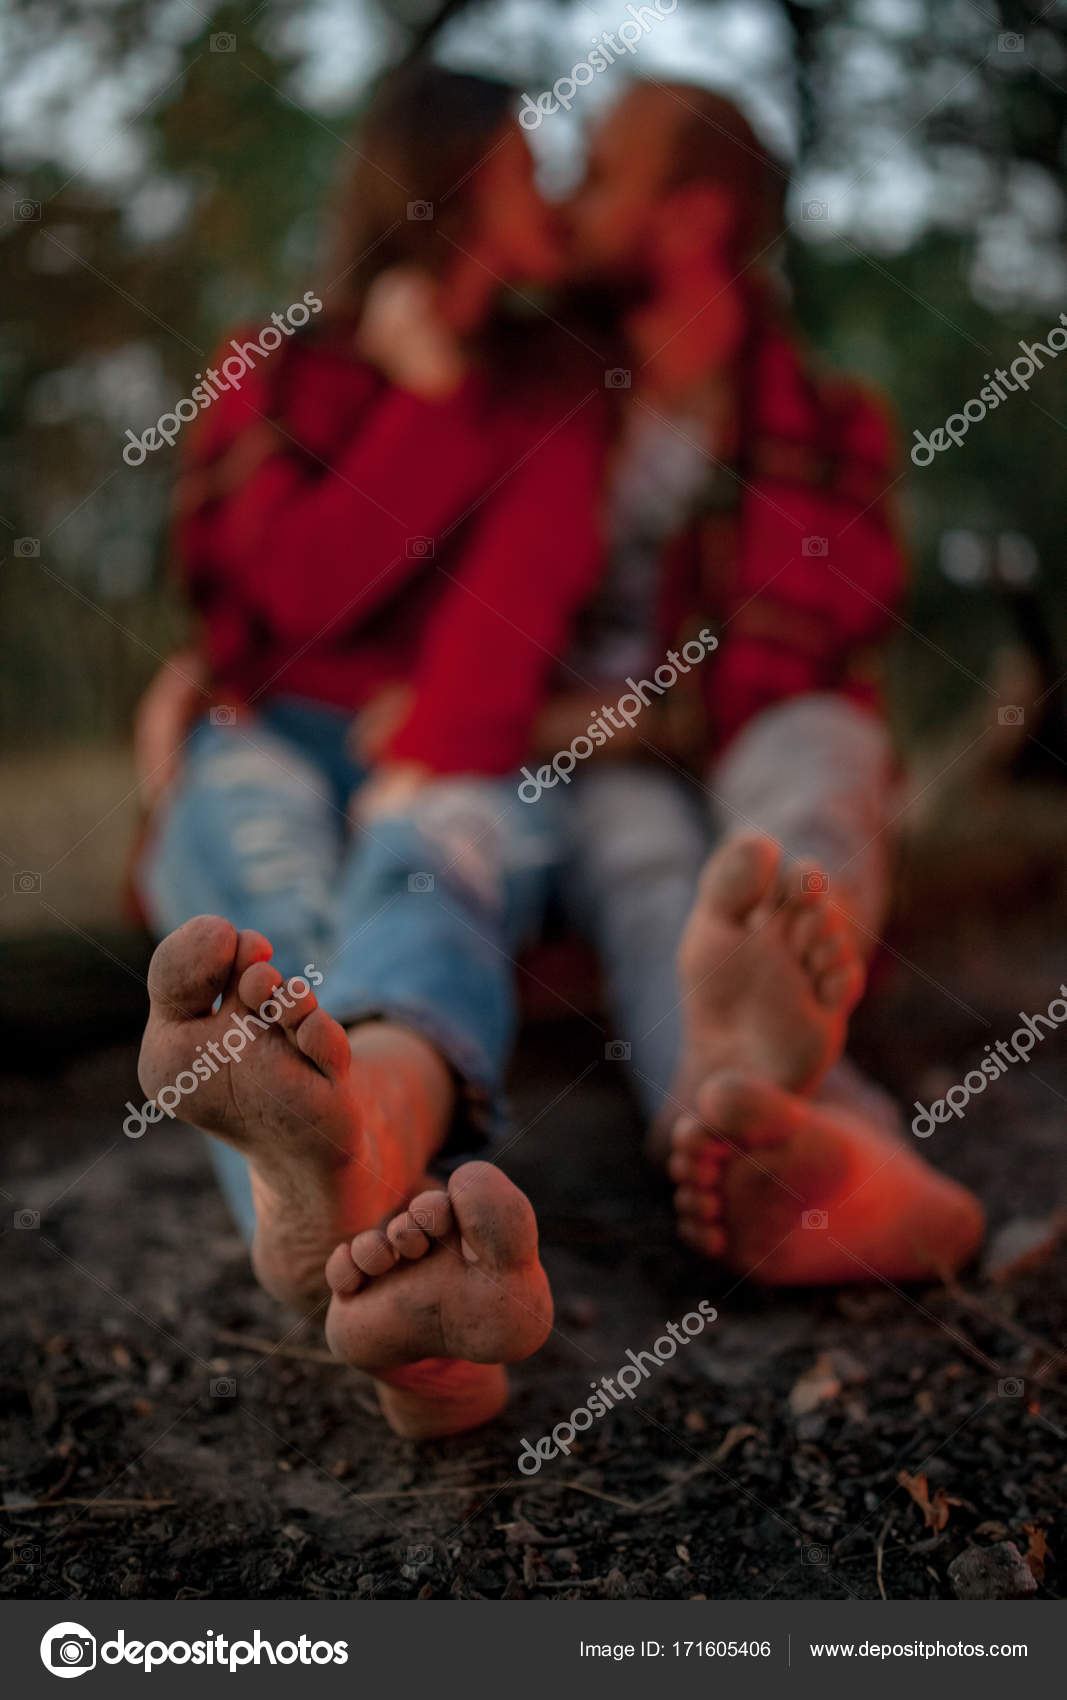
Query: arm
{"type": "Point", "coordinates": [162, 721]}
{"type": "Point", "coordinates": [308, 545]}
{"type": "Point", "coordinates": [501, 628]}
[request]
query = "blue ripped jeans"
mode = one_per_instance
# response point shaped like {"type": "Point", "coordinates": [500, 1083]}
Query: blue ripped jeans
{"type": "Point", "coordinates": [416, 916]}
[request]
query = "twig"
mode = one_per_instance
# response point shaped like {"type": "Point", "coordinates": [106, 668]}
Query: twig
{"type": "Point", "coordinates": [880, 1551]}
{"type": "Point", "coordinates": [23, 1506]}
{"type": "Point", "coordinates": [996, 1319]}
{"type": "Point", "coordinates": [269, 1348]}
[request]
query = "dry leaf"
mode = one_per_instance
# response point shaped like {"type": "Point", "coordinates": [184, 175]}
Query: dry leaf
{"type": "Point", "coordinates": [1037, 1552]}
{"type": "Point", "coordinates": [683, 1552]}
{"type": "Point", "coordinates": [733, 1437]}
{"type": "Point", "coordinates": [935, 1511]}
{"type": "Point", "coordinates": [817, 1385]}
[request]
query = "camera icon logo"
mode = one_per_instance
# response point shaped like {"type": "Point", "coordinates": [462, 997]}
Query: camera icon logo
{"type": "Point", "coordinates": [223, 714]}
{"type": "Point", "coordinates": [815, 1219]}
{"type": "Point", "coordinates": [616, 378]}
{"type": "Point", "coordinates": [25, 883]}
{"type": "Point", "coordinates": [815, 883]}
{"type": "Point", "coordinates": [816, 548]}
{"type": "Point", "coordinates": [1010, 42]}
{"type": "Point", "coordinates": [424, 1219]}
{"type": "Point", "coordinates": [419, 1555]}
{"type": "Point", "coordinates": [28, 548]}
{"type": "Point", "coordinates": [419, 548]}
{"type": "Point", "coordinates": [29, 1556]}
{"type": "Point", "coordinates": [617, 1050]}
{"type": "Point", "coordinates": [420, 211]}
{"type": "Point", "coordinates": [68, 1649]}
{"type": "Point", "coordinates": [27, 212]}
{"type": "Point", "coordinates": [27, 1220]}
{"type": "Point", "coordinates": [420, 882]}
{"type": "Point", "coordinates": [1011, 1387]}
{"type": "Point", "coordinates": [223, 1387]}
{"type": "Point", "coordinates": [1012, 715]}
{"type": "Point", "coordinates": [224, 43]}
{"type": "Point", "coordinates": [815, 1555]}
{"type": "Point", "coordinates": [815, 209]}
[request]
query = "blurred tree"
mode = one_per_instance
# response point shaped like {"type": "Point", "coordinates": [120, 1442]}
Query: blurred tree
{"type": "Point", "coordinates": [933, 136]}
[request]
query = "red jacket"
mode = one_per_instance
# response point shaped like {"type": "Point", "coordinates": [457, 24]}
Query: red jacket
{"type": "Point", "coordinates": [801, 565]}
{"type": "Point", "coordinates": [379, 538]}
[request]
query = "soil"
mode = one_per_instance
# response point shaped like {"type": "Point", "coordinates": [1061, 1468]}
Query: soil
{"type": "Point", "coordinates": [169, 1433]}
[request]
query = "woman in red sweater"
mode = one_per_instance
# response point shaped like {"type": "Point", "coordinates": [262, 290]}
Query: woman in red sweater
{"type": "Point", "coordinates": [381, 511]}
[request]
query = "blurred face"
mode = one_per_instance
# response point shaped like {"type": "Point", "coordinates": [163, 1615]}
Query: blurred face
{"type": "Point", "coordinates": [614, 217]}
{"type": "Point", "coordinates": [515, 232]}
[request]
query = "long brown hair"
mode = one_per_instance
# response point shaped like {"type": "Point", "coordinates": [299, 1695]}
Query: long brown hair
{"type": "Point", "coordinates": [422, 137]}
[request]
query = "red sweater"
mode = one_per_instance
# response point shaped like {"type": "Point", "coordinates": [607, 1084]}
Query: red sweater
{"type": "Point", "coordinates": [375, 538]}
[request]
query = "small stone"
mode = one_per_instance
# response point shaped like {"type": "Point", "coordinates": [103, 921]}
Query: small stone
{"type": "Point", "coordinates": [580, 1311]}
{"type": "Point", "coordinates": [523, 1534]}
{"type": "Point", "coordinates": [991, 1573]}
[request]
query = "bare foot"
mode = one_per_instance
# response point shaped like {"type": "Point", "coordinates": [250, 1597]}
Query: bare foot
{"type": "Point", "coordinates": [332, 1147]}
{"type": "Point", "coordinates": [437, 1302]}
{"type": "Point", "coordinates": [796, 1194]}
{"type": "Point", "coordinates": [768, 970]}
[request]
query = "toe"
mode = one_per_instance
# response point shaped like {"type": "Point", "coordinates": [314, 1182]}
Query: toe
{"type": "Point", "coordinates": [342, 1276]}
{"type": "Point", "coordinates": [263, 983]}
{"type": "Point", "coordinates": [257, 983]}
{"type": "Point", "coordinates": [495, 1219]}
{"type": "Point", "coordinates": [192, 967]}
{"type": "Point", "coordinates": [432, 1212]}
{"type": "Point", "coordinates": [710, 1241]}
{"type": "Point", "coordinates": [745, 1112]}
{"type": "Point", "coordinates": [843, 986]}
{"type": "Point", "coordinates": [325, 1043]}
{"type": "Point", "coordinates": [251, 947]}
{"type": "Point", "coordinates": [804, 883]}
{"type": "Point", "coordinates": [697, 1205]}
{"type": "Point", "coordinates": [740, 875]}
{"type": "Point", "coordinates": [372, 1252]}
{"type": "Point", "coordinates": [806, 925]}
{"type": "Point", "coordinates": [406, 1237]}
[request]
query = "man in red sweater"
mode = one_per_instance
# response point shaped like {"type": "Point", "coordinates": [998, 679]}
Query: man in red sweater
{"type": "Point", "coordinates": [750, 496]}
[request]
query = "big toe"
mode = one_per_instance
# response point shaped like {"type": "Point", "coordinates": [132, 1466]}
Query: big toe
{"type": "Point", "coordinates": [192, 967]}
{"type": "Point", "coordinates": [495, 1220]}
{"type": "Point", "coordinates": [740, 876]}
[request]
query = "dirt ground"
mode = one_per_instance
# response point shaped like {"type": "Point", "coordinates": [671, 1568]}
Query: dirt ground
{"type": "Point", "coordinates": [168, 1433]}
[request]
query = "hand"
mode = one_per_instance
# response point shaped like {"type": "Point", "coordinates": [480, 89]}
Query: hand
{"type": "Point", "coordinates": [402, 333]}
{"type": "Point", "coordinates": [374, 725]}
{"type": "Point", "coordinates": [162, 720]}
{"type": "Point", "coordinates": [391, 790]}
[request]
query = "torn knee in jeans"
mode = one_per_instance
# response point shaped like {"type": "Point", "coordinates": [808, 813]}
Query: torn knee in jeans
{"type": "Point", "coordinates": [471, 836]}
